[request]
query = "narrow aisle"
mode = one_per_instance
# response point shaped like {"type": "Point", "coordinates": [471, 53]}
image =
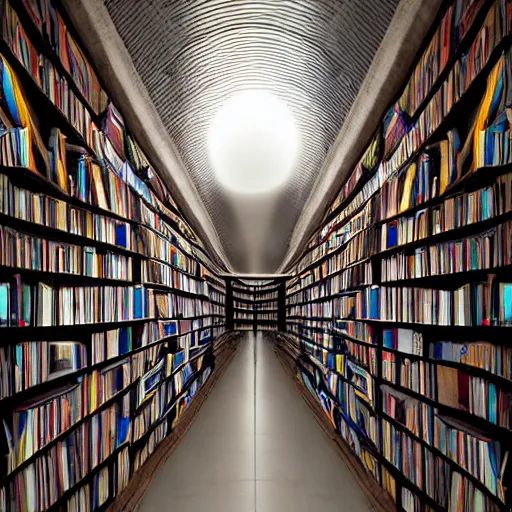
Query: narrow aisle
{"type": "Point", "coordinates": [255, 447]}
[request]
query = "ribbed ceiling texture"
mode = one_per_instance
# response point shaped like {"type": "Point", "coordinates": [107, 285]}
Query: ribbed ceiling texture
{"type": "Point", "coordinates": [193, 55]}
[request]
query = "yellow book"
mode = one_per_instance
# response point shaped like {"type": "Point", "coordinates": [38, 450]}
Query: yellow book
{"type": "Point", "coordinates": [482, 119]}
{"type": "Point", "coordinates": [98, 186]}
{"type": "Point", "coordinates": [405, 202]}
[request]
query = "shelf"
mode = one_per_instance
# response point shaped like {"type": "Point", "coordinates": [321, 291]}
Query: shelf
{"type": "Point", "coordinates": [438, 453]}
{"type": "Point", "coordinates": [67, 494]}
{"type": "Point", "coordinates": [135, 445]}
{"type": "Point", "coordinates": [67, 432]}
{"type": "Point", "coordinates": [165, 288]}
{"type": "Point", "coordinates": [475, 329]}
{"type": "Point", "coordinates": [329, 276]}
{"type": "Point", "coordinates": [327, 319]}
{"type": "Point", "coordinates": [37, 183]}
{"type": "Point", "coordinates": [495, 431]}
{"type": "Point", "coordinates": [40, 230]}
{"type": "Point", "coordinates": [178, 269]}
{"type": "Point", "coordinates": [39, 389]}
{"type": "Point", "coordinates": [447, 236]}
{"type": "Point", "coordinates": [51, 332]}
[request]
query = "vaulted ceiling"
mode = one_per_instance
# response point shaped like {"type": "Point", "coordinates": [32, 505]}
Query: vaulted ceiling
{"type": "Point", "coordinates": [193, 55]}
{"type": "Point", "coordinates": [185, 58]}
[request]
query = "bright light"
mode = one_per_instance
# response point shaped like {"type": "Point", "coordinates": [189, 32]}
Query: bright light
{"type": "Point", "coordinates": [253, 142]}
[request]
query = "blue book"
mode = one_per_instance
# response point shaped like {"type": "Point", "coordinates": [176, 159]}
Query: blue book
{"type": "Point", "coordinates": [388, 338]}
{"type": "Point", "coordinates": [170, 328]}
{"type": "Point", "coordinates": [10, 97]}
{"type": "Point", "coordinates": [121, 235]}
{"type": "Point", "coordinates": [506, 301]}
{"type": "Point", "coordinates": [123, 428]}
{"type": "Point", "coordinates": [138, 302]}
{"type": "Point", "coordinates": [374, 302]}
{"type": "Point", "coordinates": [125, 340]}
{"type": "Point", "coordinates": [491, 403]}
{"type": "Point", "coordinates": [392, 235]}
{"type": "Point", "coordinates": [438, 350]}
{"type": "Point", "coordinates": [4, 304]}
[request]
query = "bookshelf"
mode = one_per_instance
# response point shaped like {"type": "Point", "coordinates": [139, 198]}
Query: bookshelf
{"type": "Point", "coordinates": [111, 310]}
{"type": "Point", "coordinates": [398, 312]}
{"type": "Point", "coordinates": [255, 304]}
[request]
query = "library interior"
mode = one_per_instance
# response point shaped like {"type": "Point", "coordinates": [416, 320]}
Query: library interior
{"type": "Point", "coordinates": [256, 255]}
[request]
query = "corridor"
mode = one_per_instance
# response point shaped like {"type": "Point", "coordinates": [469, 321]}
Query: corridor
{"type": "Point", "coordinates": [255, 447]}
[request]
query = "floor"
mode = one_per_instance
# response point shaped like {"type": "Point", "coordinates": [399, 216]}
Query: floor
{"type": "Point", "coordinates": [255, 447]}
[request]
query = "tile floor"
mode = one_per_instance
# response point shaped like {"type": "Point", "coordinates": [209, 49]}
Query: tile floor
{"type": "Point", "coordinates": [255, 447]}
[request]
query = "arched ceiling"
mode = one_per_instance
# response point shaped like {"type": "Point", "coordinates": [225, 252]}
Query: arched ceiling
{"type": "Point", "coordinates": [192, 55]}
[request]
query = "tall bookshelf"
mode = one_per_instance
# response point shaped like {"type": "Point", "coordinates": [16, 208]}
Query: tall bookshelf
{"type": "Point", "coordinates": [111, 311]}
{"type": "Point", "coordinates": [256, 304]}
{"type": "Point", "coordinates": [399, 310]}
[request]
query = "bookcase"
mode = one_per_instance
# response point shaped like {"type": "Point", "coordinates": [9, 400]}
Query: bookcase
{"type": "Point", "coordinates": [111, 310]}
{"type": "Point", "coordinates": [255, 304]}
{"type": "Point", "coordinates": [398, 313]}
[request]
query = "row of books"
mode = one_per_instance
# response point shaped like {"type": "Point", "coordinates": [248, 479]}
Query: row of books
{"type": "Point", "coordinates": [339, 233]}
{"type": "Point", "coordinates": [156, 272]}
{"type": "Point", "coordinates": [56, 413]}
{"type": "Point", "coordinates": [68, 462]}
{"type": "Point", "coordinates": [312, 309]}
{"type": "Point", "coordinates": [453, 213]}
{"type": "Point", "coordinates": [417, 375]}
{"type": "Point", "coordinates": [267, 316]}
{"type": "Point", "coordinates": [484, 303]}
{"type": "Point", "coordinates": [216, 295]}
{"type": "Point", "coordinates": [435, 57]}
{"type": "Point", "coordinates": [353, 277]}
{"type": "Point", "coordinates": [450, 386]}
{"type": "Point", "coordinates": [50, 23]}
{"type": "Point", "coordinates": [255, 295]}
{"type": "Point", "coordinates": [50, 212]}
{"type": "Point", "coordinates": [245, 306]}
{"type": "Point", "coordinates": [359, 331]}
{"type": "Point", "coordinates": [23, 251]}
{"type": "Point", "coordinates": [170, 305]}
{"type": "Point", "coordinates": [487, 356]}
{"type": "Point", "coordinates": [360, 246]}
{"type": "Point", "coordinates": [92, 496]}
{"type": "Point", "coordinates": [151, 218]}
{"type": "Point", "coordinates": [364, 168]}
{"type": "Point", "coordinates": [155, 246]}
{"type": "Point", "coordinates": [159, 401]}
{"type": "Point", "coordinates": [240, 315]}
{"type": "Point", "coordinates": [38, 422]}
{"type": "Point", "coordinates": [263, 306]}
{"type": "Point", "coordinates": [122, 340]}
{"type": "Point", "coordinates": [486, 250]}
{"type": "Point", "coordinates": [154, 439]}
{"type": "Point", "coordinates": [23, 304]}
{"type": "Point", "coordinates": [470, 448]}
{"type": "Point", "coordinates": [153, 409]}
{"type": "Point", "coordinates": [28, 364]}
{"type": "Point", "coordinates": [217, 309]}
{"type": "Point", "coordinates": [465, 70]}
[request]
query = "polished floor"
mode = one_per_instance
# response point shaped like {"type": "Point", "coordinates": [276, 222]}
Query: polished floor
{"type": "Point", "coordinates": [255, 447]}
